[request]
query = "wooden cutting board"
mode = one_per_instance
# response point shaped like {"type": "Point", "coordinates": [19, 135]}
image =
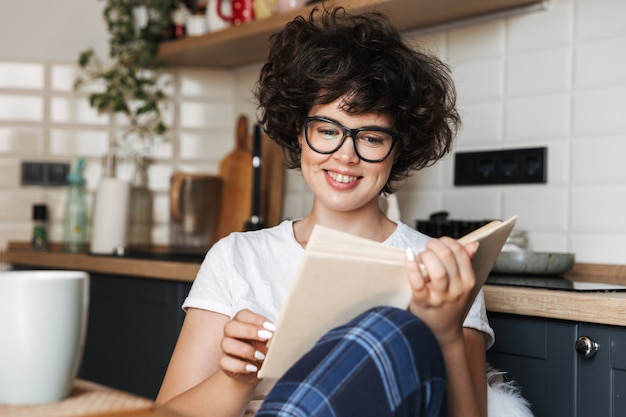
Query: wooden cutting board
{"type": "Point", "coordinates": [236, 174]}
{"type": "Point", "coordinates": [272, 182]}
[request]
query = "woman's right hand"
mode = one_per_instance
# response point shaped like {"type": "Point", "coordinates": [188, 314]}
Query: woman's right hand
{"type": "Point", "coordinates": [244, 345]}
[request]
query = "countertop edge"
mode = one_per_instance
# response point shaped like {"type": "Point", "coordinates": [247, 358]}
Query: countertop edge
{"type": "Point", "coordinates": [590, 307]}
{"type": "Point", "coordinates": [16, 254]}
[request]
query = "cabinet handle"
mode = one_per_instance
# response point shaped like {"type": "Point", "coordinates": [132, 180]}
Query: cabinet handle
{"type": "Point", "coordinates": [585, 347]}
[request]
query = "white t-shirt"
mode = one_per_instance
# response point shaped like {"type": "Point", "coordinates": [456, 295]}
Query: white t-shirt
{"type": "Point", "coordinates": [253, 270]}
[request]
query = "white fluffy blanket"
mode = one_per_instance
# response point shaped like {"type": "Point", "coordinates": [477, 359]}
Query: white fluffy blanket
{"type": "Point", "coordinates": [504, 398]}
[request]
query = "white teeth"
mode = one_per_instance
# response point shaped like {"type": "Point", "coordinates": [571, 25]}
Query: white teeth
{"type": "Point", "coordinates": [342, 178]}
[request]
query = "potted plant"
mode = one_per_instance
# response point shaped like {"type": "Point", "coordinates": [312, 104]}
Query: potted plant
{"type": "Point", "coordinates": [132, 85]}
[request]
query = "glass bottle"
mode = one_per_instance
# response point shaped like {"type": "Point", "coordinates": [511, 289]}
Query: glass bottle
{"type": "Point", "coordinates": [75, 220]}
{"type": "Point", "coordinates": [140, 224]}
{"type": "Point", "coordinates": [40, 227]}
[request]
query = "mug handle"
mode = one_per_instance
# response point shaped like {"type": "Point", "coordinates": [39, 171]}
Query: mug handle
{"type": "Point", "coordinates": [222, 15]}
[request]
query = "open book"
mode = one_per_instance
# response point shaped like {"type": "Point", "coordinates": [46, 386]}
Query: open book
{"type": "Point", "coordinates": [341, 276]}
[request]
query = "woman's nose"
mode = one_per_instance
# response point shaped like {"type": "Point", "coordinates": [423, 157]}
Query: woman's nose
{"type": "Point", "coordinates": [346, 152]}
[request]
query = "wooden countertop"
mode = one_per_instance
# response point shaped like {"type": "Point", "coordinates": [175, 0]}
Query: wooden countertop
{"type": "Point", "coordinates": [592, 307]}
{"type": "Point", "coordinates": [19, 253]}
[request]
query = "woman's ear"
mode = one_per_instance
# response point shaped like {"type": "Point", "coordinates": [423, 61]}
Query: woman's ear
{"type": "Point", "coordinates": [301, 140]}
{"type": "Point", "coordinates": [396, 155]}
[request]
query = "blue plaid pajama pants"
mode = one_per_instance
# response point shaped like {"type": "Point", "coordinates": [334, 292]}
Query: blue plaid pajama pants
{"type": "Point", "coordinates": [385, 362]}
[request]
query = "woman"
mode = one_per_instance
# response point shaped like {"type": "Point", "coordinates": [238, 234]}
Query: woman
{"type": "Point", "coordinates": [355, 109]}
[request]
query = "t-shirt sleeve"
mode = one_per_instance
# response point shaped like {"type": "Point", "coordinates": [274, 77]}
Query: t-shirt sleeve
{"type": "Point", "coordinates": [477, 319]}
{"type": "Point", "coordinates": [212, 287]}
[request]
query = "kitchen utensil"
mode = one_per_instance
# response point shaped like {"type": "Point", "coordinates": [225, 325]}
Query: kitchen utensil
{"type": "Point", "coordinates": [236, 174]}
{"type": "Point", "coordinates": [242, 12]}
{"type": "Point", "coordinates": [194, 210]}
{"type": "Point", "coordinates": [533, 263]}
{"type": "Point", "coordinates": [256, 219]}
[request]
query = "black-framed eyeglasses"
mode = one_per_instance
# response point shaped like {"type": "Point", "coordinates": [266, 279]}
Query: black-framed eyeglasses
{"type": "Point", "coordinates": [371, 143]}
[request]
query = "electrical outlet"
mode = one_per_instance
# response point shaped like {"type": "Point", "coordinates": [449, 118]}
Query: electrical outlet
{"type": "Point", "coordinates": [510, 166]}
{"type": "Point", "coordinates": [57, 174]}
{"type": "Point", "coordinates": [32, 173]}
{"type": "Point", "coordinates": [47, 174]}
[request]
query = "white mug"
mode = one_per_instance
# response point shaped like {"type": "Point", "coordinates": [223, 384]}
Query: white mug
{"type": "Point", "coordinates": [43, 321]}
{"type": "Point", "coordinates": [196, 25]}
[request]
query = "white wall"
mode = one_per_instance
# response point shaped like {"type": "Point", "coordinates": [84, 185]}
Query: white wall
{"type": "Point", "coordinates": [555, 78]}
{"type": "Point", "coordinates": [51, 30]}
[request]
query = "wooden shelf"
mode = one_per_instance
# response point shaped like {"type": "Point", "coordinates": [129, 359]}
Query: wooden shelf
{"type": "Point", "coordinates": [248, 43]}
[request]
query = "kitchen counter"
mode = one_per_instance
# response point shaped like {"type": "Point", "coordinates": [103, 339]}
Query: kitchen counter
{"type": "Point", "coordinates": [19, 253]}
{"type": "Point", "coordinates": [591, 307]}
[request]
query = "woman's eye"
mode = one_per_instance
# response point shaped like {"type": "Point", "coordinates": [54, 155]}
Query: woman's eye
{"type": "Point", "coordinates": [372, 140]}
{"type": "Point", "coordinates": [328, 133]}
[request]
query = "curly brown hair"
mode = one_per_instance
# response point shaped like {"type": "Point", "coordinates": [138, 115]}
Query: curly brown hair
{"type": "Point", "coordinates": [362, 59]}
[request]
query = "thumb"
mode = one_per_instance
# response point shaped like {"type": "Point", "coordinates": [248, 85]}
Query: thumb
{"type": "Point", "coordinates": [472, 248]}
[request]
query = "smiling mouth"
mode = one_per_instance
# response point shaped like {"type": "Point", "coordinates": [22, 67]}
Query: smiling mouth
{"type": "Point", "coordinates": [341, 178]}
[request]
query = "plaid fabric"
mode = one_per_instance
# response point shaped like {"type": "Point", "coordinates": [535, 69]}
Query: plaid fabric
{"type": "Point", "coordinates": [385, 362]}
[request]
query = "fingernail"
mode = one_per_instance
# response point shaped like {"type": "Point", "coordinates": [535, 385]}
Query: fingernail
{"type": "Point", "coordinates": [251, 368]}
{"type": "Point", "coordinates": [264, 334]}
{"type": "Point", "coordinates": [410, 255]}
{"type": "Point", "coordinates": [269, 326]}
{"type": "Point", "coordinates": [258, 355]}
{"type": "Point", "coordinates": [423, 270]}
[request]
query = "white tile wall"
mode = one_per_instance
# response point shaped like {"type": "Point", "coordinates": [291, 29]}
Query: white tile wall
{"type": "Point", "coordinates": [545, 116]}
{"type": "Point", "coordinates": [597, 63]}
{"type": "Point", "coordinates": [526, 77]}
{"type": "Point", "coordinates": [43, 119]}
{"type": "Point", "coordinates": [543, 29]}
{"type": "Point", "coordinates": [599, 18]}
{"type": "Point", "coordinates": [480, 80]}
{"type": "Point", "coordinates": [599, 111]}
{"type": "Point", "coordinates": [565, 83]}
{"type": "Point", "coordinates": [554, 78]}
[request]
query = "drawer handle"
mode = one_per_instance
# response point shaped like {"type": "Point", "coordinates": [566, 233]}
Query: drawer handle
{"type": "Point", "coordinates": [586, 347]}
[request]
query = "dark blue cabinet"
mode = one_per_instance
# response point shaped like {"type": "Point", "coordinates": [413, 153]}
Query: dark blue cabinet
{"type": "Point", "coordinates": [540, 355]}
{"type": "Point", "coordinates": [132, 329]}
{"type": "Point", "coordinates": [602, 378]}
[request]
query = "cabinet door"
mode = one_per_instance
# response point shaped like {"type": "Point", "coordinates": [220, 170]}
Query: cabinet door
{"type": "Point", "coordinates": [132, 328]}
{"type": "Point", "coordinates": [602, 378]}
{"type": "Point", "coordinates": [538, 354]}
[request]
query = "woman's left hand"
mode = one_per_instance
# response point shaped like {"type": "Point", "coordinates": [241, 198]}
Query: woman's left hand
{"type": "Point", "coordinates": [443, 295]}
{"type": "Point", "coordinates": [244, 345]}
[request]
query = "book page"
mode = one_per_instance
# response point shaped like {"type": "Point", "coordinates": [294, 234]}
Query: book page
{"type": "Point", "coordinates": [341, 276]}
